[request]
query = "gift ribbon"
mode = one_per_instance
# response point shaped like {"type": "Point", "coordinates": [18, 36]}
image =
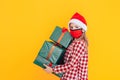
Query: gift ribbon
{"type": "Point", "coordinates": [50, 52]}
{"type": "Point", "coordinates": [50, 64]}
{"type": "Point", "coordinates": [64, 30]}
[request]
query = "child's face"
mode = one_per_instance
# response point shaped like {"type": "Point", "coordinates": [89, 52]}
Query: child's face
{"type": "Point", "coordinates": [73, 26]}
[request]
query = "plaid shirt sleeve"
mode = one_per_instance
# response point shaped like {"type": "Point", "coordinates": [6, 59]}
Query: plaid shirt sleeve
{"type": "Point", "coordinates": [78, 51]}
{"type": "Point", "coordinates": [84, 67]}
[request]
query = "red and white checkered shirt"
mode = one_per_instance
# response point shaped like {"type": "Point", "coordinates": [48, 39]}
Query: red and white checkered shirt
{"type": "Point", "coordinates": [76, 62]}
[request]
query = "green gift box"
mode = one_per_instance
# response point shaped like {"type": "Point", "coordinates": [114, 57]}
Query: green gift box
{"type": "Point", "coordinates": [52, 52]}
{"type": "Point", "coordinates": [63, 38]}
{"type": "Point", "coordinates": [40, 61]}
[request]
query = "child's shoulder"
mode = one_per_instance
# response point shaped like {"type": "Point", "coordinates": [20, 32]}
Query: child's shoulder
{"type": "Point", "coordinates": [80, 41]}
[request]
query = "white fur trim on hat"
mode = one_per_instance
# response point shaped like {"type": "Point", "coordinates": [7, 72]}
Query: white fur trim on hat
{"type": "Point", "coordinates": [79, 23]}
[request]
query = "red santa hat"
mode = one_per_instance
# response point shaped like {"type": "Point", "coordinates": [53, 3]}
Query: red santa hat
{"type": "Point", "coordinates": [79, 20]}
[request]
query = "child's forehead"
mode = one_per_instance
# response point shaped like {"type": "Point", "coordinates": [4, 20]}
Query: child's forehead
{"type": "Point", "coordinates": [73, 24]}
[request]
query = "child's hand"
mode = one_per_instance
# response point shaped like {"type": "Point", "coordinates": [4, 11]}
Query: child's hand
{"type": "Point", "coordinates": [48, 69]}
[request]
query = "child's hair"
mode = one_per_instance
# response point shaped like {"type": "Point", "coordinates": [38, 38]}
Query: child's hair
{"type": "Point", "coordinates": [85, 38]}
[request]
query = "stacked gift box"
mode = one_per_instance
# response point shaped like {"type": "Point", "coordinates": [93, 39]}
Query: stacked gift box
{"type": "Point", "coordinates": [52, 52]}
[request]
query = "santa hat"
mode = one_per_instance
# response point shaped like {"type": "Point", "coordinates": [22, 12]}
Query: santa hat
{"type": "Point", "coordinates": [78, 20]}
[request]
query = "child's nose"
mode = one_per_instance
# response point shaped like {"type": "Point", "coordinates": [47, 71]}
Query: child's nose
{"type": "Point", "coordinates": [74, 28]}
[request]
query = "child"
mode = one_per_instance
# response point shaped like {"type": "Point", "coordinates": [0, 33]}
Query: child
{"type": "Point", "coordinates": [76, 56]}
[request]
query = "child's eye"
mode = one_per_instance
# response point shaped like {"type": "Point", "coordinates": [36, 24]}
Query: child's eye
{"type": "Point", "coordinates": [76, 27]}
{"type": "Point", "coordinates": [71, 27]}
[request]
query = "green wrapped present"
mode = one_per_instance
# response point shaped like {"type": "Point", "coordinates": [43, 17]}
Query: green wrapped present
{"type": "Point", "coordinates": [52, 52]}
{"type": "Point", "coordinates": [40, 61]}
{"type": "Point", "coordinates": [61, 36]}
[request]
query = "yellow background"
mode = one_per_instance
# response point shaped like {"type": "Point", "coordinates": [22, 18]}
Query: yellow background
{"type": "Point", "coordinates": [26, 24]}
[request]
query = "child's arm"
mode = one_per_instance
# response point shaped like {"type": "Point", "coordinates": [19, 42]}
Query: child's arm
{"type": "Point", "coordinates": [79, 50]}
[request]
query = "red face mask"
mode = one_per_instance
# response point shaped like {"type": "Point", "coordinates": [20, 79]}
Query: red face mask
{"type": "Point", "coordinates": [76, 33]}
